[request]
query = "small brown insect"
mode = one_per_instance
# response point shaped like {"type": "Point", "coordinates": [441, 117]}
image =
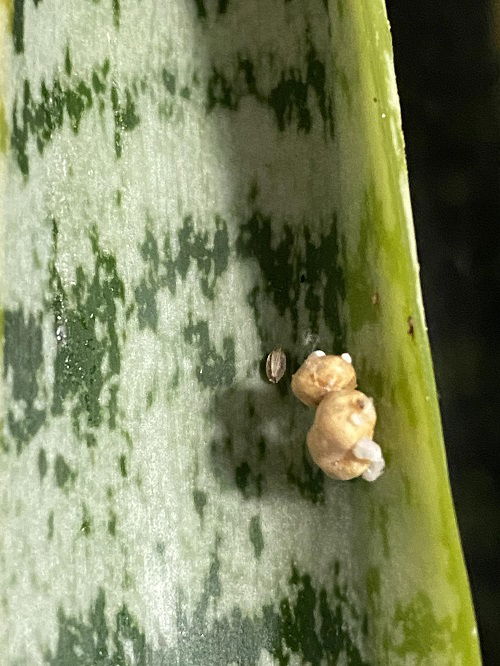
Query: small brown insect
{"type": "Point", "coordinates": [276, 365]}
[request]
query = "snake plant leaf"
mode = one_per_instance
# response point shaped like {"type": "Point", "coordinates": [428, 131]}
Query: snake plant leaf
{"type": "Point", "coordinates": [185, 186]}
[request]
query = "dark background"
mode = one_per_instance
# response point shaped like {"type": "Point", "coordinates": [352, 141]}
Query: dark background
{"type": "Point", "coordinates": [447, 56]}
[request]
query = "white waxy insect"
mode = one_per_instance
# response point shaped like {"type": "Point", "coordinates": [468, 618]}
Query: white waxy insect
{"type": "Point", "coordinates": [275, 365]}
{"type": "Point", "coordinates": [340, 440]}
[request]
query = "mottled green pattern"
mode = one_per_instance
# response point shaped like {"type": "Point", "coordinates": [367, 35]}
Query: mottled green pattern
{"type": "Point", "coordinates": [23, 358]}
{"type": "Point", "coordinates": [84, 364]}
{"type": "Point", "coordinates": [40, 117]}
{"type": "Point", "coordinates": [284, 630]}
{"type": "Point", "coordinates": [185, 185]}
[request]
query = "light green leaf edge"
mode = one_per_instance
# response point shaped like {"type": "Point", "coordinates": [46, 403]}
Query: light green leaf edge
{"type": "Point", "coordinates": [387, 329]}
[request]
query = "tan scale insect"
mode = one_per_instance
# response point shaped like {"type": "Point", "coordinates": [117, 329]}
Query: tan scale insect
{"type": "Point", "coordinates": [340, 440]}
{"type": "Point", "coordinates": [276, 365]}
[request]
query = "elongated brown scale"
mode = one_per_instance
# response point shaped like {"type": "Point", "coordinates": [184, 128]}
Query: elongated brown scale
{"type": "Point", "coordinates": [276, 365]}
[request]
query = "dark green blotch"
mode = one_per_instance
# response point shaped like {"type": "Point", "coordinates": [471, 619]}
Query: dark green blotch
{"type": "Point", "coordinates": [220, 92]}
{"type": "Point", "coordinates": [310, 481]}
{"type": "Point", "coordinates": [122, 462]}
{"type": "Point", "coordinates": [306, 624]}
{"type": "Point", "coordinates": [50, 526]}
{"type": "Point", "coordinates": [145, 293]}
{"type": "Point", "coordinates": [175, 381]}
{"type": "Point", "coordinates": [116, 13]}
{"type": "Point", "coordinates": [210, 253]}
{"type": "Point", "coordinates": [240, 456]}
{"type": "Point", "coordinates": [113, 406]}
{"type": "Point", "coordinates": [18, 26]}
{"type": "Point", "coordinates": [91, 440]}
{"type": "Point", "coordinates": [200, 501]}
{"type": "Point", "coordinates": [125, 116]}
{"type": "Point", "coordinates": [18, 141]}
{"type": "Point", "coordinates": [86, 524]}
{"type": "Point", "coordinates": [213, 369]}
{"type": "Point", "coordinates": [78, 100]}
{"type": "Point", "coordinates": [277, 261]}
{"type": "Point", "coordinates": [112, 523]}
{"type": "Point", "coordinates": [291, 98]}
{"type": "Point", "coordinates": [200, 9]}
{"type": "Point", "coordinates": [62, 471]}
{"type": "Point", "coordinates": [316, 79]}
{"type": "Point", "coordinates": [42, 463]}
{"type": "Point", "coordinates": [23, 358]}
{"type": "Point", "coordinates": [249, 480]}
{"type": "Point", "coordinates": [289, 268]}
{"type": "Point", "coordinates": [147, 311]}
{"type": "Point", "coordinates": [89, 641]}
{"type": "Point", "coordinates": [242, 475]}
{"type": "Point", "coordinates": [88, 305]}
{"type": "Point", "coordinates": [67, 62]}
{"type": "Point", "coordinates": [98, 85]}
{"type": "Point", "coordinates": [4, 446]}
{"type": "Point", "coordinates": [211, 258]}
{"type": "Point", "coordinates": [168, 80]}
{"type": "Point", "coordinates": [42, 116]}
{"type": "Point", "coordinates": [256, 536]}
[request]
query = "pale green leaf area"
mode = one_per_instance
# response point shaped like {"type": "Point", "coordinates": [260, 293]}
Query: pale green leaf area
{"type": "Point", "coordinates": [185, 185]}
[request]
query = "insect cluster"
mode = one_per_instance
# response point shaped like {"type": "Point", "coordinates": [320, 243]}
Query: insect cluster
{"type": "Point", "coordinates": [340, 439]}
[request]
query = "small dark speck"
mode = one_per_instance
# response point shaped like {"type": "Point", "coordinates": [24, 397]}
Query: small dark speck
{"type": "Point", "coordinates": [411, 326]}
{"type": "Point", "coordinates": [86, 526]}
{"type": "Point", "coordinates": [302, 278]}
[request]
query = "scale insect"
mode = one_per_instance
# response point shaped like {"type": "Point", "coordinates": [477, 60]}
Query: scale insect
{"type": "Point", "coordinates": [275, 365]}
{"type": "Point", "coordinates": [340, 439]}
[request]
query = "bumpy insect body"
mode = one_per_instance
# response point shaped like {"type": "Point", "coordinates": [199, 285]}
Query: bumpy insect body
{"type": "Point", "coordinates": [320, 374]}
{"type": "Point", "coordinates": [340, 439]}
